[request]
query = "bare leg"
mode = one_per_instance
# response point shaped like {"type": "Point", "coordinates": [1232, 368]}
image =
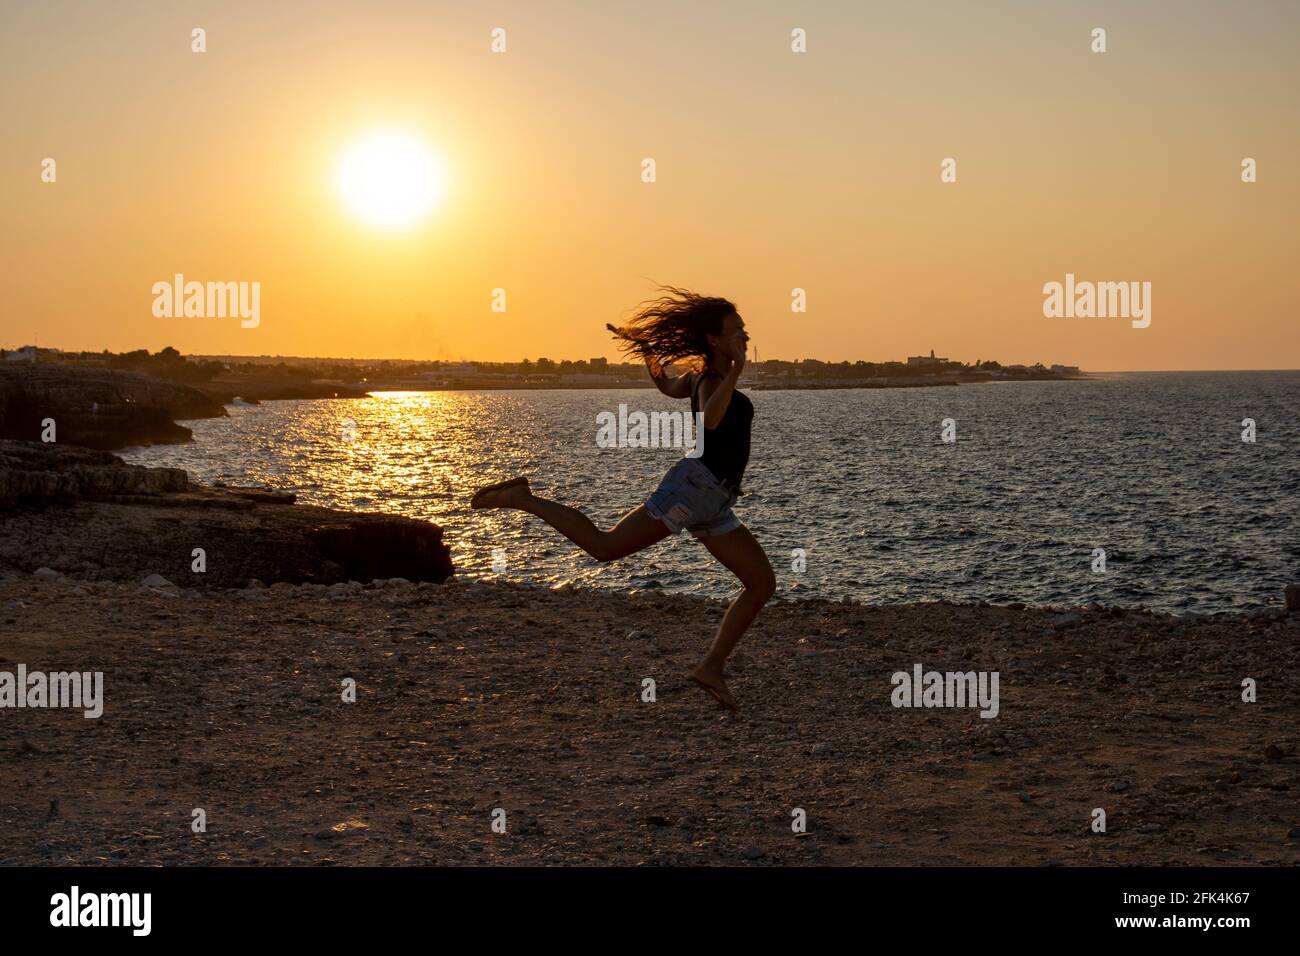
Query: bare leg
{"type": "Point", "coordinates": [744, 557]}
{"type": "Point", "coordinates": [635, 531]}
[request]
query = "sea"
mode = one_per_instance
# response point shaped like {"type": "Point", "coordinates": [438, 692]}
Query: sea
{"type": "Point", "coordinates": [1126, 489]}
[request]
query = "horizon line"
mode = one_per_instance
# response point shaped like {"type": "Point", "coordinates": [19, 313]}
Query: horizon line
{"type": "Point", "coordinates": [336, 358]}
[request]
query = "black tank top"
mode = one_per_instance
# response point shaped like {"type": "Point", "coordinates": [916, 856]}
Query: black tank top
{"type": "Point", "coordinates": [726, 448]}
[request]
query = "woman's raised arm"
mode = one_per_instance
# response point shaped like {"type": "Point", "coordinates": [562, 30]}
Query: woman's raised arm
{"type": "Point", "coordinates": [679, 387]}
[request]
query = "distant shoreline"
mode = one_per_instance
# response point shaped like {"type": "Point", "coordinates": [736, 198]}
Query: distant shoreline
{"type": "Point", "coordinates": [759, 386]}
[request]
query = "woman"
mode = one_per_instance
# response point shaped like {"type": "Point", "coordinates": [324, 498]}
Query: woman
{"type": "Point", "coordinates": [696, 493]}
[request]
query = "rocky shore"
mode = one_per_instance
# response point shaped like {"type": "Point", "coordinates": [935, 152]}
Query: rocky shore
{"type": "Point", "coordinates": [257, 390]}
{"type": "Point", "coordinates": [97, 407]}
{"type": "Point", "coordinates": [311, 715]}
{"type": "Point", "coordinates": [86, 513]}
{"type": "Point", "coordinates": [108, 409]}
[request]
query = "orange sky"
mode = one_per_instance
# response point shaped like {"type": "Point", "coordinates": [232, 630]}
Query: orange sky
{"type": "Point", "coordinates": [775, 170]}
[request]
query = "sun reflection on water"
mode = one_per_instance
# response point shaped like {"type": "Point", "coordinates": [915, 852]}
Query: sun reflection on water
{"type": "Point", "coordinates": [423, 454]}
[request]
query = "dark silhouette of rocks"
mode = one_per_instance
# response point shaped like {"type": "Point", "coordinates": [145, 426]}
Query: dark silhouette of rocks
{"type": "Point", "coordinates": [255, 391]}
{"type": "Point", "coordinates": [35, 470]}
{"type": "Point", "coordinates": [383, 546]}
{"type": "Point", "coordinates": [87, 514]}
{"type": "Point", "coordinates": [98, 407]}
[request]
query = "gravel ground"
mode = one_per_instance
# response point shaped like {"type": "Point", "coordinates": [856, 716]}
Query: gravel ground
{"type": "Point", "coordinates": [476, 697]}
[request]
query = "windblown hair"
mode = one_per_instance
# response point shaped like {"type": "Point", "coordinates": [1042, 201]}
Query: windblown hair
{"type": "Point", "coordinates": [673, 326]}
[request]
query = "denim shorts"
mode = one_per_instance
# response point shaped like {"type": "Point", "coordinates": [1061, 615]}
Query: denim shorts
{"type": "Point", "coordinates": [691, 497]}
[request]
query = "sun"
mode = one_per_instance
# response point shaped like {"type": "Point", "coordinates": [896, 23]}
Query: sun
{"type": "Point", "coordinates": [391, 180]}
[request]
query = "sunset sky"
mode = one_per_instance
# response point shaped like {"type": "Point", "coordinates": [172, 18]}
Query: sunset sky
{"type": "Point", "coordinates": [775, 170]}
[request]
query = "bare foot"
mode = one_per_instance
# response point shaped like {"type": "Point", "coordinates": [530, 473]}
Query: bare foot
{"type": "Point", "coordinates": [504, 494]}
{"type": "Point", "coordinates": [712, 682]}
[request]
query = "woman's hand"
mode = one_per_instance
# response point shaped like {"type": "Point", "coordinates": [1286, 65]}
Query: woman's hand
{"type": "Point", "coordinates": [738, 351]}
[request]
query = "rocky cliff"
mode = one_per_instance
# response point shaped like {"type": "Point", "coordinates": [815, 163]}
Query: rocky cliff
{"type": "Point", "coordinates": [88, 514]}
{"type": "Point", "coordinates": [40, 471]}
{"type": "Point", "coordinates": [97, 407]}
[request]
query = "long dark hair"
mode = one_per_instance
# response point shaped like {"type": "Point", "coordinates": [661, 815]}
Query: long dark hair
{"type": "Point", "coordinates": [673, 326]}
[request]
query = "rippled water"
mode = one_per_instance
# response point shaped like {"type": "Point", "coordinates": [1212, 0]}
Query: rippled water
{"type": "Point", "coordinates": [1150, 467]}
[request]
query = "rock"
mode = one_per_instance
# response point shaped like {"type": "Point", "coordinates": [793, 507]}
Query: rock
{"type": "Point", "coordinates": [346, 827]}
{"type": "Point", "coordinates": [381, 546]}
{"type": "Point", "coordinates": [37, 470]}
{"type": "Point", "coordinates": [100, 408]}
{"type": "Point", "coordinates": [45, 574]}
{"type": "Point", "coordinates": [752, 853]}
{"type": "Point", "coordinates": [1066, 620]}
{"type": "Point", "coordinates": [1292, 597]}
{"type": "Point", "coordinates": [262, 495]}
{"type": "Point", "coordinates": [157, 581]}
{"type": "Point", "coordinates": [80, 523]}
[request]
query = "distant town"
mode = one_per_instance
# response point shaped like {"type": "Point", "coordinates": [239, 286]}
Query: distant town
{"type": "Point", "coordinates": [296, 375]}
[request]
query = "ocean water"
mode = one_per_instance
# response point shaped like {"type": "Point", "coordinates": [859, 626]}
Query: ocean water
{"type": "Point", "coordinates": [1150, 467]}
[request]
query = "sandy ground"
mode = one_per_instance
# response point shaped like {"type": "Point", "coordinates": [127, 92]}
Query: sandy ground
{"type": "Point", "coordinates": [472, 697]}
